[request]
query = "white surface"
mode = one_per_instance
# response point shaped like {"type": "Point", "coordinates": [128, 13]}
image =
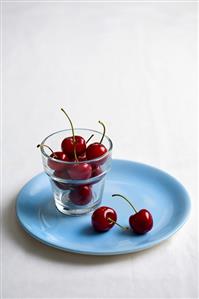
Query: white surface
{"type": "Point", "coordinates": [134, 67]}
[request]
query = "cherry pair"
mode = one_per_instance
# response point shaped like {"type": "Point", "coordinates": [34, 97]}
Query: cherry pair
{"type": "Point", "coordinates": [104, 218]}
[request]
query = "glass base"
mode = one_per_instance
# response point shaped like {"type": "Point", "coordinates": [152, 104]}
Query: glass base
{"type": "Point", "coordinates": [78, 205]}
{"type": "Point", "coordinates": [76, 211]}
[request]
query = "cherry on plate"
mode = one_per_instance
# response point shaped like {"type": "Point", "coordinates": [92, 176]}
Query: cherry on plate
{"type": "Point", "coordinates": [103, 218]}
{"type": "Point", "coordinates": [142, 221]}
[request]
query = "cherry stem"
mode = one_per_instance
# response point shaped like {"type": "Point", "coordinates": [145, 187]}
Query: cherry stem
{"type": "Point", "coordinates": [73, 132]}
{"type": "Point", "coordinates": [89, 138]}
{"type": "Point", "coordinates": [104, 130]}
{"type": "Point", "coordinates": [43, 145]}
{"type": "Point", "coordinates": [113, 221]}
{"type": "Point", "coordinates": [113, 195]}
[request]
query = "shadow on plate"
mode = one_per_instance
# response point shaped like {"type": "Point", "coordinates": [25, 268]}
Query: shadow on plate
{"type": "Point", "coordinates": [14, 231]}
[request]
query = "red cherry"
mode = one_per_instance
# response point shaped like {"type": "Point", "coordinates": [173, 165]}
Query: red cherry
{"type": "Point", "coordinates": [58, 156]}
{"type": "Point", "coordinates": [81, 195]}
{"type": "Point", "coordinates": [141, 222]}
{"type": "Point", "coordinates": [103, 219]}
{"type": "Point", "coordinates": [57, 165]}
{"type": "Point", "coordinates": [74, 145]}
{"type": "Point", "coordinates": [82, 156]}
{"type": "Point", "coordinates": [67, 146]}
{"type": "Point", "coordinates": [96, 150]}
{"type": "Point", "coordinates": [81, 171]}
{"type": "Point", "coordinates": [79, 142]}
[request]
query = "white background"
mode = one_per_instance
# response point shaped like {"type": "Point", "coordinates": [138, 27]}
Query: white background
{"type": "Point", "coordinates": [132, 65]}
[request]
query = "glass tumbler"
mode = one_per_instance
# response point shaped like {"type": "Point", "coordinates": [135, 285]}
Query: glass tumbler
{"type": "Point", "coordinates": [77, 186]}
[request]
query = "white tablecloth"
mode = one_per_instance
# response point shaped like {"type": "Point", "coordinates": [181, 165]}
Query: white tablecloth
{"type": "Point", "coordinates": [133, 66]}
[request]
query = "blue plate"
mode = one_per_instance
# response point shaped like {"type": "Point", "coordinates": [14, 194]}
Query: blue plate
{"type": "Point", "coordinates": [146, 186]}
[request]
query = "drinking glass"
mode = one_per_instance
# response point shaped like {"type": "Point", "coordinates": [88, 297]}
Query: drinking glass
{"type": "Point", "coordinates": [74, 195]}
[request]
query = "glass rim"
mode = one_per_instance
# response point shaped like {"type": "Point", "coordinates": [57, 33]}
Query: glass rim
{"type": "Point", "coordinates": [109, 150]}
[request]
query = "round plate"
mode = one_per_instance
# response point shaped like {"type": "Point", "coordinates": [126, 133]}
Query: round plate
{"type": "Point", "coordinates": [146, 186]}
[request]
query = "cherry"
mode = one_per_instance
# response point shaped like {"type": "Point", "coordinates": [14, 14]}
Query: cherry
{"type": "Point", "coordinates": [81, 195]}
{"type": "Point", "coordinates": [68, 147]}
{"type": "Point", "coordinates": [104, 218]}
{"type": "Point", "coordinates": [58, 156]}
{"type": "Point", "coordinates": [141, 222]}
{"type": "Point", "coordinates": [74, 145]}
{"type": "Point", "coordinates": [82, 157]}
{"type": "Point", "coordinates": [97, 149]}
{"type": "Point", "coordinates": [55, 155]}
{"type": "Point", "coordinates": [80, 171]}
